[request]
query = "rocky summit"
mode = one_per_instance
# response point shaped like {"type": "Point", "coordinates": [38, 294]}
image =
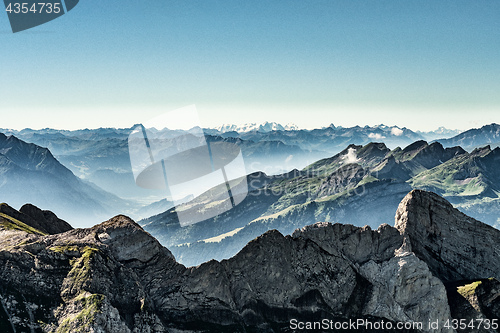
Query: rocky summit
{"type": "Point", "coordinates": [435, 265]}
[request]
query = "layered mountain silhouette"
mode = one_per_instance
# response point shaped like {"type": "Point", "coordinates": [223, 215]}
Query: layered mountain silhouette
{"type": "Point", "coordinates": [30, 173]}
{"type": "Point", "coordinates": [101, 155]}
{"type": "Point", "coordinates": [361, 184]}
{"type": "Point", "coordinates": [329, 139]}
{"type": "Point", "coordinates": [435, 264]}
{"type": "Point", "coordinates": [264, 127]}
{"type": "Point", "coordinates": [475, 138]}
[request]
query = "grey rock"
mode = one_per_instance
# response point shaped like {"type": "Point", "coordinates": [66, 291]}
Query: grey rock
{"type": "Point", "coordinates": [44, 220]}
{"type": "Point", "coordinates": [455, 246]}
{"type": "Point", "coordinates": [115, 277]}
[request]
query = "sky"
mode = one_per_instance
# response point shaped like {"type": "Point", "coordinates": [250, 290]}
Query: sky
{"type": "Point", "coordinates": [411, 63]}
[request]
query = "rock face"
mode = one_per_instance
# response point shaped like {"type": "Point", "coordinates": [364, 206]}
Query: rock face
{"type": "Point", "coordinates": [115, 277]}
{"type": "Point", "coordinates": [455, 246]}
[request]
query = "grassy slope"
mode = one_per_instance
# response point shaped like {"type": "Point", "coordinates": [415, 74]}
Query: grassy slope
{"type": "Point", "coordinates": [9, 223]}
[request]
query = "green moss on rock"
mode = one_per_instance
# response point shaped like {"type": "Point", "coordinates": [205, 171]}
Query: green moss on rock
{"type": "Point", "coordinates": [80, 275]}
{"type": "Point", "coordinates": [90, 306]}
{"type": "Point", "coordinates": [64, 249]}
{"type": "Point", "coordinates": [469, 289]}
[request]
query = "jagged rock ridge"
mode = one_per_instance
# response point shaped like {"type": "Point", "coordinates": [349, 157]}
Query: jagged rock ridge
{"type": "Point", "coordinates": [115, 277]}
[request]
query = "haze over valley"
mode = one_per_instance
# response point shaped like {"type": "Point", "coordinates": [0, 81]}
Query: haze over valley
{"type": "Point", "coordinates": [352, 175]}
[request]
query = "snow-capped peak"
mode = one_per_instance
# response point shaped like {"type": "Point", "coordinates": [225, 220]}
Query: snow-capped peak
{"type": "Point", "coordinates": [264, 127]}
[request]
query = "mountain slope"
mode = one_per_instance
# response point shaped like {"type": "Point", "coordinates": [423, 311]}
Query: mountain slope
{"type": "Point", "coordinates": [29, 173]}
{"type": "Point", "coordinates": [42, 220]}
{"type": "Point", "coordinates": [115, 277]}
{"type": "Point", "coordinates": [474, 174]}
{"type": "Point", "coordinates": [470, 181]}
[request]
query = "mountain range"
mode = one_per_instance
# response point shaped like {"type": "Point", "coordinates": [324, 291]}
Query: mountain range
{"type": "Point", "coordinates": [433, 270]}
{"type": "Point", "coordinates": [100, 158]}
{"type": "Point", "coordinates": [361, 183]}
{"type": "Point", "coordinates": [305, 245]}
{"type": "Point", "coordinates": [265, 127]}
{"type": "Point", "coordinates": [441, 132]}
{"type": "Point", "coordinates": [475, 138]}
{"type": "Point", "coordinates": [329, 139]}
{"type": "Point", "coordinates": [101, 155]}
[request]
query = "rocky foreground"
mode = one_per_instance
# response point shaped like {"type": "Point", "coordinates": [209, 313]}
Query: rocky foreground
{"type": "Point", "coordinates": [435, 264]}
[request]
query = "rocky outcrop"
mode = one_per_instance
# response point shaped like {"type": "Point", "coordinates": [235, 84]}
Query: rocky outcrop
{"type": "Point", "coordinates": [381, 257]}
{"type": "Point", "coordinates": [455, 246]}
{"type": "Point", "coordinates": [115, 277]}
{"type": "Point", "coordinates": [43, 220]}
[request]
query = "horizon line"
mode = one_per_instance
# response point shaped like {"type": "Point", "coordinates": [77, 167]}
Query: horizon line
{"type": "Point", "coordinates": [3, 129]}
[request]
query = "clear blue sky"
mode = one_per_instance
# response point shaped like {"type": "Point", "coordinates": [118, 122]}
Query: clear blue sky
{"type": "Point", "coordinates": [420, 64]}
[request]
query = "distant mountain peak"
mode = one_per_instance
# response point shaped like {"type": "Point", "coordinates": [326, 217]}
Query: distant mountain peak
{"type": "Point", "coordinates": [475, 138]}
{"type": "Point", "coordinates": [439, 133]}
{"type": "Point", "coordinates": [420, 144]}
{"type": "Point", "coordinates": [264, 127]}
